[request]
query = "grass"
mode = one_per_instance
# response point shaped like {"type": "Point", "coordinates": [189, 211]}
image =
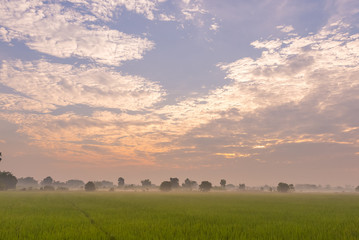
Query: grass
{"type": "Point", "coordinates": [131, 215]}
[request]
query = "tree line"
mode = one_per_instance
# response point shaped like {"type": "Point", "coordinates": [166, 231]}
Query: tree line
{"type": "Point", "coordinates": [9, 181]}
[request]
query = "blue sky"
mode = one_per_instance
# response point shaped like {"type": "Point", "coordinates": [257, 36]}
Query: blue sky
{"type": "Point", "coordinates": [251, 91]}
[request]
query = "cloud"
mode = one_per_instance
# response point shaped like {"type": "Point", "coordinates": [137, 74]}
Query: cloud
{"type": "Point", "coordinates": [11, 102]}
{"type": "Point", "coordinates": [301, 89]}
{"type": "Point", "coordinates": [8, 35]}
{"type": "Point", "coordinates": [114, 138]}
{"type": "Point", "coordinates": [165, 17]}
{"type": "Point", "coordinates": [63, 32]}
{"type": "Point", "coordinates": [214, 27]}
{"type": "Point", "coordinates": [51, 84]}
{"type": "Point", "coordinates": [104, 9]}
{"type": "Point", "coordinates": [285, 29]}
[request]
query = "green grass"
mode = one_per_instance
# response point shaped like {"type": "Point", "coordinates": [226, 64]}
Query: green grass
{"type": "Point", "coordinates": [130, 215]}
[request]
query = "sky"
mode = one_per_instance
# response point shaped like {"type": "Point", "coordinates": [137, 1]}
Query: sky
{"type": "Point", "coordinates": [254, 92]}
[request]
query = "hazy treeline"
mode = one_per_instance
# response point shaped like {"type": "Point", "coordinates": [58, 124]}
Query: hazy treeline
{"type": "Point", "coordinates": [9, 181]}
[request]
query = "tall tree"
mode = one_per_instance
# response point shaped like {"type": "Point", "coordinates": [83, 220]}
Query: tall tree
{"type": "Point", "coordinates": [205, 186]}
{"type": "Point", "coordinates": [223, 183]}
{"type": "Point", "coordinates": [7, 181]}
{"type": "Point", "coordinates": [146, 183]}
{"type": "Point", "coordinates": [284, 187]}
{"type": "Point", "coordinates": [121, 182]}
{"type": "Point", "coordinates": [166, 186]}
{"type": "Point", "coordinates": [47, 181]}
{"type": "Point", "coordinates": [90, 186]}
{"type": "Point", "coordinates": [174, 182]}
{"type": "Point", "coordinates": [189, 184]}
{"type": "Point", "coordinates": [242, 187]}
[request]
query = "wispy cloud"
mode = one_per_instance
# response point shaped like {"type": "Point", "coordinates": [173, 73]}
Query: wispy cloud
{"type": "Point", "coordinates": [61, 85]}
{"type": "Point", "coordinates": [285, 29]}
{"type": "Point", "coordinates": [63, 32]}
{"type": "Point", "coordinates": [310, 74]}
{"type": "Point", "coordinates": [105, 9]}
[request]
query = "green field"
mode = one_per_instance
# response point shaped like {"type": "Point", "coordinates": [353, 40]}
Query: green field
{"type": "Point", "coordinates": [155, 215]}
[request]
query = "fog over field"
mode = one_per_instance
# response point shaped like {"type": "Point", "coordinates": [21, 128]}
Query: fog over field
{"type": "Point", "coordinates": [254, 92]}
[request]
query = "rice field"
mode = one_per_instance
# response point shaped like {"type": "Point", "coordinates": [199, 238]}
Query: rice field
{"type": "Point", "coordinates": [155, 215]}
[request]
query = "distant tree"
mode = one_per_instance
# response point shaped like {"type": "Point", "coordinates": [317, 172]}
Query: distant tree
{"type": "Point", "coordinates": [62, 189]}
{"type": "Point", "coordinates": [59, 184]}
{"type": "Point", "coordinates": [121, 182]}
{"type": "Point", "coordinates": [47, 181]}
{"type": "Point", "coordinates": [357, 189]}
{"type": "Point", "coordinates": [284, 187]}
{"type": "Point", "coordinates": [27, 181]}
{"type": "Point", "coordinates": [103, 184]}
{"type": "Point", "coordinates": [90, 186]}
{"type": "Point", "coordinates": [7, 181]}
{"type": "Point", "coordinates": [166, 186]}
{"type": "Point", "coordinates": [146, 183]}
{"type": "Point", "coordinates": [306, 187]}
{"type": "Point", "coordinates": [242, 187]}
{"type": "Point", "coordinates": [205, 186]}
{"type": "Point", "coordinates": [2, 186]}
{"type": "Point", "coordinates": [188, 184]}
{"type": "Point", "coordinates": [48, 188]}
{"type": "Point", "coordinates": [223, 183]}
{"type": "Point", "coordinates": [174, 182]}
{"type": "Point", "coordinates": [74, 183]}
{"type": "Point", "coordinates": [291, 187]}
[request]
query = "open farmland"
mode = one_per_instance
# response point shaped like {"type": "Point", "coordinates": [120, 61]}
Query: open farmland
{"type": "Point", "coordinates": [155, 215]}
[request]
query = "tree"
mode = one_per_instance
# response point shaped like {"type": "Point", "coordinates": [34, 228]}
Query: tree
{"type": "Point", "coordinates": [2, 186]}
{"type": "Point", "coordinates": [74, 183]}
{"type": "Point", "coordinates": [90, 186]}
{"type": "Point", "coordinates": [166, 186]}
{"type": "Point", "coordinates": [357, 189]}
{"type": "Point", "coordinates": [47, 181]}
{"type": "Point", "coordinates": [242, 187]}
{"type": "Point", "coordinates": [174, 182]}
{"type": "Point", "coordinates": [284, 187]}
{"type": "Point", "coordinates": [48, 188]}
{"type": "Point", "coordinates": [223, 183]}
{"type": "Point", "coordinates": [7, 181]}
{"type": "Point", "coordinates": [28, 181]}
{"type": "Point", "coordinates": [205, 186]}
{"type": "Point", "coordinates": [121, 182]}
{"type": "Point", "coordinates": [103, 184]}
{"type": "Point", "coordinates": [189, 184]}
{"type": "Point", "coordinates": [146, 183]}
